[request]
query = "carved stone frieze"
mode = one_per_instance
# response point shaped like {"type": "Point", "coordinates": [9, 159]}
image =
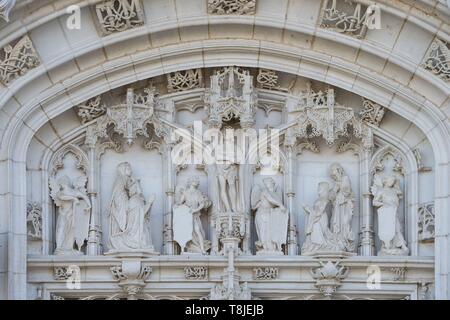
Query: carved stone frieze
{"type": "Point", "coordinates": [196, 273]}
{"type": "Point", "coordinates": [267, 273]}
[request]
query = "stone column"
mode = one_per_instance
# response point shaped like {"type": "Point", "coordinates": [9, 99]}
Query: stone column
{"type": "Point", "coordinates": [290, 193]}
{"type": "Point", "coordinates": [367, 243]}
{"type": "Point", "coordinates": [94, 247]}
{"type": "Point", "coordinates": [169, 169]}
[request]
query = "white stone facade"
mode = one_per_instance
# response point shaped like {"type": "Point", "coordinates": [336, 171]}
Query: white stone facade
{"type": "Point", "coordinates": [93, 203]}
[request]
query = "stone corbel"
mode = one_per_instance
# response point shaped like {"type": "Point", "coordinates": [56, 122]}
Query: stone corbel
{"type": "Point", "coordinates": [131, 276]}
{"type": "Point", "coordinates": [328, 277]}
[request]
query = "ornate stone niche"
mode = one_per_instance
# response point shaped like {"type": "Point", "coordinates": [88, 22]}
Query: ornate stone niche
{"type": "Point", "coordinates": [328, 145]}
{"type": "Point", "coordinates": [132, 134]}
{"type": "Point", "coordinates": [68, 182]}
{"type": "Point", "coordinates": [388, 190]}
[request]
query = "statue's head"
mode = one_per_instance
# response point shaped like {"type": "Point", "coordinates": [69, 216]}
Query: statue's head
{"type": "Point", "coordinates": [323, 189]}
{"type": "Point", "coordinates": [389, 181]}
{"type": "Point", "coordinates": [336, 171]}
{"type": "Point", "coordinates": [193, 181]}
{"type": "Point", "coordinates": [135, 187]}
{"type": "Point", "coordinates": [269, 183]}
{"type": "Point", "coordinates": [124, 169]}
{"type": "Point", "coordinates": [64, 182]}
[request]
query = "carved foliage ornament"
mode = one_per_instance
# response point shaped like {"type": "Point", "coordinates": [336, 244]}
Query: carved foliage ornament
{"type": "Point", "coordinates": [5, 8]}
{"type": "Point", "coordinates": [426, 222]}
{"type": "Point", "coordinates": [437, 59]}
{"type": "Point", "coordinates": [34, 221]}
{"type": "Point", "coordinates": [119, 15]}
{"type": "Point", "coordinates": [17, 59]}
{"type": "Point", "coordinates": [239, 7]}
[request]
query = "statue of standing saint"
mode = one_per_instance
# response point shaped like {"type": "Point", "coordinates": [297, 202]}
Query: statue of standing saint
{"type": "Point", "coordinates": [387, 195]}
{"type": "Point", "coordinates": [129, 214]}
{"type": "Point", "coordinates": [271, 218]}
{"type": "Point", "coordinates": [343, 200]}
{"type": "Point", "coordinates": [187, 227]}
{"type": "Point", "coordinates": [74, 208]}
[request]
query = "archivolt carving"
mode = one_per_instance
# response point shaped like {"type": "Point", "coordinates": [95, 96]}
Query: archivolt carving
{"type": "Point", "coordinates": [119, 15]}
{"type": "Point", "coordinates": [184, 80]}
{"type": "Point", "coordinates": [231, 6]}
{"type": "Point", "coordinates": [17, 60]}
{"type": "Point", "coordinates": [437, 59]}
{"type": "Point", "coordinates": [345, 16]}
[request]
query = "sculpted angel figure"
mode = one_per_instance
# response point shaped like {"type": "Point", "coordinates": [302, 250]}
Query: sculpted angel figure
{"type": "Point", "coordinates": [387, 194]}
{"type": "Point", "coordinates": [188, 228]}
{"type": "Point", "coordinates": [129, 213]}
{"type": "Point", "coordinates": [74, 208]}
{"type": "Point", "coordinates": [271, 218]}
{"type": "Point", "coordinates": [343, 200]}
{"type": "Point", "coordinates": [318, 234]}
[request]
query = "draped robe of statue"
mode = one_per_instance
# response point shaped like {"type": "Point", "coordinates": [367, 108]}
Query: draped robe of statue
{"type": "Point", "coordinates": [318, 235]}
{"type": "Point", "coordinates": [129, 229]}
{"type": "Point", "coordinates": [191, 236]}
{"type": "Point", "coordinates": [387, 199]}
{"type": "Point", "coordinates": [72, 225]}
{"type": "Point", "coordinates": [271, 219]}
{"type": "Point", "coordinates": [343, 205]}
